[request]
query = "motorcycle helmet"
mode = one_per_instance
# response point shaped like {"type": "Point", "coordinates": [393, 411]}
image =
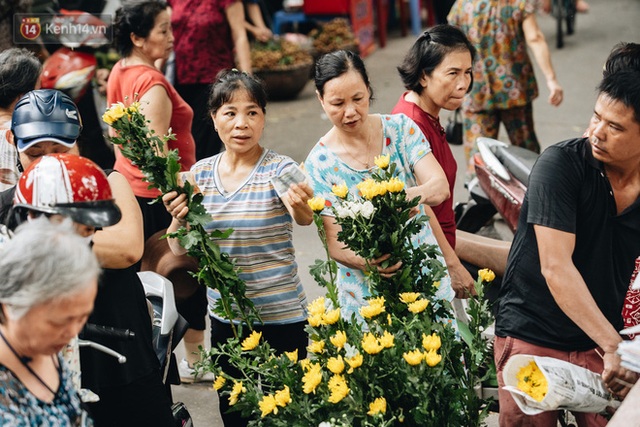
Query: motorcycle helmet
{"type": "Point", "coordinates": [45, 115]}
{"type": "Point", "coordinates": [69, 185]}
{"type": "Point", "coordinates": [70, 71]}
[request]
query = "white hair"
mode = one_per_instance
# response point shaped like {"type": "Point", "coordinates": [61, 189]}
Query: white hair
{"type": "Point", "coordinates": [44, 261]}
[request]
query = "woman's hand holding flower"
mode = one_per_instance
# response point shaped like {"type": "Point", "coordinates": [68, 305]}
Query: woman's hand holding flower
{"type": "Point", "coordinates": [386, 272]}
{"type": "Point", "coordinates": [176, 205]}
{"type": "Point", "coordinates": [297, 197]}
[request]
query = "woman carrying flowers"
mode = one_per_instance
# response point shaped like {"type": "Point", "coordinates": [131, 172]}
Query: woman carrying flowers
{"type": "Point", "coordinates": [344, 158]}
{"type": "Point", "coordinates": [239, 193]}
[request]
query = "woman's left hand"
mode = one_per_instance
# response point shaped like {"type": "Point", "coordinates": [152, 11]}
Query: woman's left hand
{"type": "Point", "coordinates": [387, 272]}
{"type": "Point", "coordinates": [296, 201]}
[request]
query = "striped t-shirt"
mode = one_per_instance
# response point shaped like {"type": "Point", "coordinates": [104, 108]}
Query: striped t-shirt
{"type": "Point", "coordinates": [262, 241]}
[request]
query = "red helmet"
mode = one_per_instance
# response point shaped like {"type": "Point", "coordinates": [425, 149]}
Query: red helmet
{"type": "Point", "coordinates": [68, 185]}
{"type": "Point", "coordinates": [70, 71]}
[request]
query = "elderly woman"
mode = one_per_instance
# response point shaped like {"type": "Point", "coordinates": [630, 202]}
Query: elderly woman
{"type": "Point", "coordinates": [437, 73]}
{"type": "Point", "coordinates": [50, 280]}
{"type": "Point", "coordinates": [346, 153]}
{"type": "Point", "coordinates": [239, 193]}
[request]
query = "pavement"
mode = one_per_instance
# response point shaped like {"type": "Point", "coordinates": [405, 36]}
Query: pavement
{"type": "Point", "coordinates": [293, 127]}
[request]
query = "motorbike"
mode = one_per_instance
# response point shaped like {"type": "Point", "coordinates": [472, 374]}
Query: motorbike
{"type": "Point", "coordinates": [502, 172]}
{"type": "Point", "coordinates": [168, 328]}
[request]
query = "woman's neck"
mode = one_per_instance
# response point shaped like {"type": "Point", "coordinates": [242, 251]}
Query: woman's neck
{"type": "Point", "coordinates": [235, 160]}
{"type": "Point", "coordinates": [137, 58]}
{"type": "Point", "coordinates": [424, 103]}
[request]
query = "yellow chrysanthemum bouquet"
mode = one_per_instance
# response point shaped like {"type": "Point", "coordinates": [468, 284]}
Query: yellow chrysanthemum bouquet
{"type": "Point", "coordinates": [398, 362]}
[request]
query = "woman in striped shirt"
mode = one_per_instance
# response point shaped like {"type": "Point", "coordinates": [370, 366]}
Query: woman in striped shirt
{"type": "Point", "coordinates": [239, 193]}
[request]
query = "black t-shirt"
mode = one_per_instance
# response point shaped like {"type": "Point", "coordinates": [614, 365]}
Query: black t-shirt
{"type": "Point", "coordinates": [568, 191]}
{"type": "Point", "coordinates": [6, 205]}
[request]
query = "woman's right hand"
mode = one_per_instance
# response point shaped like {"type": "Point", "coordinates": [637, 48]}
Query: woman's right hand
{"type": "Point", "coordinates": [176, 205]}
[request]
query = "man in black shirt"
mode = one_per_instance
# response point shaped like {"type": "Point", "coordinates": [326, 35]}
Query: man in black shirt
{"type": "Point", "coordinates": [574, 250]}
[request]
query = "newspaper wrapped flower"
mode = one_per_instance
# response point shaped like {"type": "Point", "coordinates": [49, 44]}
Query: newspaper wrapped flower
{"type": "Point", "coordinates": [539, 384]}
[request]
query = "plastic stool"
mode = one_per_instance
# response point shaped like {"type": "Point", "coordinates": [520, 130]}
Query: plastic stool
{"type": "Point", "coordinates": [282, 17]}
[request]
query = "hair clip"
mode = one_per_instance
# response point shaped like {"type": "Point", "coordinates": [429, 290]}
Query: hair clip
{"type": "Point", "coordinates": [426, 35]}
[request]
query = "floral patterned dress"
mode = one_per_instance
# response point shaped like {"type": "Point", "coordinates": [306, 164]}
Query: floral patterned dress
{"type": "Point", "coordinates": [406, 145]}
{"type": "Point", "coordinates": [20, 408]}
{"type": "Point", "coordinates": [503, 74]}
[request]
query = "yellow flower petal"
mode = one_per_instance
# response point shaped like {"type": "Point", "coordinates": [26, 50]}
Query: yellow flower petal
{"type": "Point", "coordinates": [340, 190]}
{"type": "Point", "coordinates": [316, 204]}
{"type": "Point", "coordinates": [413, 357]}
{"type": "Point", "coordinates": [339, 339]}
{"type": "Point", "coordinates": [418, 306]}
{"type": "Point", "coordinates": [378, 406]}
{"type": "Point", "coordinates": [382, 161]}
{"type": "Point", "coordinates": [486, 275]}
{"type": "Point", "coordinates": [251, 341]}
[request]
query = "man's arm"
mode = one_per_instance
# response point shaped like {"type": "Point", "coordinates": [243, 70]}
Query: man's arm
{"type": "Point", "coordinates": [573, 297]}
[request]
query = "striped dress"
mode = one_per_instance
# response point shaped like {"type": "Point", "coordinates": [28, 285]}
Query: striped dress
{"type": "Point", "coordinates": [262, 241]}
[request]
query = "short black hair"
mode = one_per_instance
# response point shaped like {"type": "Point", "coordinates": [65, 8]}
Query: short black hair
{"type": "Point", "coordinates": [228, 81]}
{"type": "Point", "coordinates": [623, 56]}
{"type": "Point", "coordinates": [429, 50]}
{"type": "Point", "coordinates": [337, 63]}
{"type": "Point", "coordinates": [623, 86]}
{"type": "Point", "coordinates": [137, 18]}
{"type": "Point", "coordinates": [19, 73]}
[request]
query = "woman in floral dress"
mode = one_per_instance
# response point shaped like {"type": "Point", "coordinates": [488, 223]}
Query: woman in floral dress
{"type": "Point", "coordinates": [504, 80]}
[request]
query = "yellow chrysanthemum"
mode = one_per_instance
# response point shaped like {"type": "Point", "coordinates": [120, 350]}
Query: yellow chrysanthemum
{"type": "Point", "coordinates": [283, 397]}
{"type": "Point", "coordinates": [389, 319]}
{"type": "Point", "coordinates": [305, 364]}
{"type": "Point", "coordinates": [431, 342]}
{"type": "Point", "coordinates": [133, 108]}
{"type": "Point", "coordinates": [378, 406]}
{"type": "Point", "coordinates": [235, 392]}
{"type": "Point", "coordinates": [331, 317]}
{"type": "Point", "coordinates": [316, 307]}
{"type": "Point", "coordinates": [354, 362]}
{"type": "Point", "coordinates": [339, 388]}
{"type": "Point", "coordinates": [312, 378]}
{"type": "Point", "coordinates": [316, 347]}
{"type": "Point", "coordinates": [436, 284]}
{"type": "Point", "coordinates": [251, 341]}
{"type": "Point", "coordinates": [409, 297]}
{"type": "Point", "coordinates": [386, 340]}
{"type": "Point", "coordinates": [268, 405]}
{"type": "Point", "coordinates": [394, 185]}
{"type": "Point", "coordinates": [375, 306]}
{"type": "Point", "coordinates": [370, 188]}
{"type": "Point", "coordinates": [316, 203]}
{"type": "Point", "coordinates": [339, 339]}
{"type": "Point", "coordinates": [486, 275]}
{"type": "Point", "coordinates": [219, 382]}
{"type": "Point", "coordinates": [418, 306]}
{"type": "Point", "coordinates": [114, 113]}
{"type": "Point", "coordinates": [371, 344]}
{"type": "Point", "coordinates": [292, 355]}
{"type": "Point", "coordinates": [335, 364]}
{"type": "Point", "coordinates": [413, 357]}
{"type": "Point", "coordinates": [432, 358]}
{"type": "Point", "coordinates": [316, 320]}
{"type": "Point", "coordinates": [532, 381]}
{"type": "Point", "coordinates": [340, 190]}
{"type": "Point", "coordinates": [382, 161]}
